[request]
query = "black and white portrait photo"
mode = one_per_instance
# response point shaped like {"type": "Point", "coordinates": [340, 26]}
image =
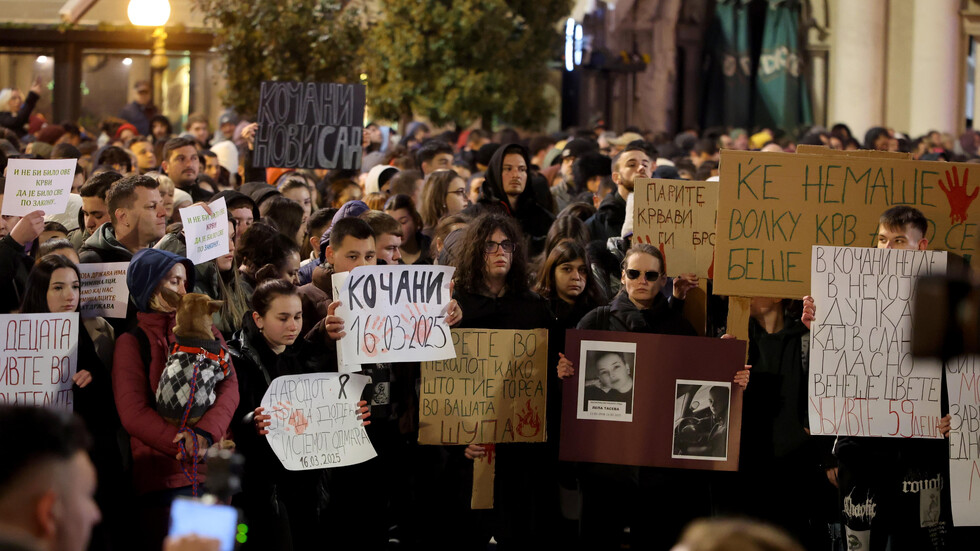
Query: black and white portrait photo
{"type": "Point", "coordinates": [701, 416]}
{"type": "Point", "coordinates": [606, 387]}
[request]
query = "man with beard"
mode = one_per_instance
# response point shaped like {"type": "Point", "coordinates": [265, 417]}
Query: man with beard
{"type": "Point", "coordinates": [181, 163]}
{"type": "Point", "coordinates": [629, 165]}
{"type": "Point", "coordinates": [508, 188]}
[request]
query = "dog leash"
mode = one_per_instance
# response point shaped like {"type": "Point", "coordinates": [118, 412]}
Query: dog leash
{"type": "Point", "coordinates": [191, 474]}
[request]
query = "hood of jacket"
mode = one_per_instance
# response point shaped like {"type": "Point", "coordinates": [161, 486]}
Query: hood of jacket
{"type": "Point", "coordinates": [104, 239]}
{"type": "Point", "coordinates": [492, 190]}
{"type": "Point", "coordinates": [147, 270]}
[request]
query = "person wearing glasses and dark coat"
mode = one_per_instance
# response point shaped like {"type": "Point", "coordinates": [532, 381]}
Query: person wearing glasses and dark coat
{"type": "Point", "coordinates": [492, 282]}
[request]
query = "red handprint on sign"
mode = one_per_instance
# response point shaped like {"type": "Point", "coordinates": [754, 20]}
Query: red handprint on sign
{"type": "Point", "coordinates": [959, 201]}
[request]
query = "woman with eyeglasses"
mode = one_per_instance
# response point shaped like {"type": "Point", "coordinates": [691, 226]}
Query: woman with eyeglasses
{"type": "Point", "coordinates": [444, 194]}
{"type": "Point", "coordinates": [639, 307]}
{"type": "Point", "coordinates": [493, 291]}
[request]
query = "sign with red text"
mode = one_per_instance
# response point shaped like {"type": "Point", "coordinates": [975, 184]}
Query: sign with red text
{"type": "Point", "coordinates": [395, 314]}
{"type": "Point", "coordinates": [38, 359]}
{"type": "Point", "coordinates": [863, 379]}
{"type": "Point", "coordinates": [37, 184]}
{"type": "Point", "coordinates": [678, 217]}
{"type": "Point", "coordinates": [206, 235]}
{"type": "Point", "coordinates": [103, 289]}
{"type": "Point", "coordinates": [494, 389]}
{"type": "Point", "coordinates": [963, 388]}
{"type": "Point", "coordinates": [314, 421]}
{"type": "Point", "coordinates": [772, 207]}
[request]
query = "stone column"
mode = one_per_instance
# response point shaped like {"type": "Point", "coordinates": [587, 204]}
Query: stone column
{"type": "Point", "coordinates": [857, 65]}
{"type": "Point", "coordinates": [937, 63]}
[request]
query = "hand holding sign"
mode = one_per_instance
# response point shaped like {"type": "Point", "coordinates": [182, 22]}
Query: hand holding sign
{"type": "Point", "coordinates": [28, 228]}
{"type": "Point", "coordinates": [34, 184]}
{"type": "Point", "coordinates": [206, 231]}
{"type": "Point", "coordinates": [313, 422]}
{"type": "Point", "coordinates": [395, 313]}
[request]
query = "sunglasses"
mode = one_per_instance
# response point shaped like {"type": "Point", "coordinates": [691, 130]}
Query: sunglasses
{"type": "Point", "coordinates": [490, 247]}
{"type": "Point", "coordinates": [650, 276]}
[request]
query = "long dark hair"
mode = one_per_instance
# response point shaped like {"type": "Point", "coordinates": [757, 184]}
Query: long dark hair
{"type": "Point", "coordinates": [38, 281]}
{"type": "Point", "coordinates": [568, 251]}
{"type": "Point", "coordinates": [471, 260]}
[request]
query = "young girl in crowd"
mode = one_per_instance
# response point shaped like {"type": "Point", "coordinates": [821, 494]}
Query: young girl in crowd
{"type": "Point", "coordinates": [284, 508]}
{"type": "Point", "coordinates": [263, 245]}
{"type": "Point", "coordinates": [416, 246]}
{"type": "Point", "coordinates": [444, 194]}
{"type": "Point", "coordinates": [53, 287]}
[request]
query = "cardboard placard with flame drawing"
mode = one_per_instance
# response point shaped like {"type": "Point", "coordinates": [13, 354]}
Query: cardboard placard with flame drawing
{"type": "Point", "coordinates": [493, 391]}
{"type": "Point", "coordinates": [667, 414]}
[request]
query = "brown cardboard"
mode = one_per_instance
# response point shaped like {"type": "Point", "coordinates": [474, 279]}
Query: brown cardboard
{"type": "Point", "coordinates": [824, 150]}
{"type": "Point", "coordinates": [484, 473]}
{"type": "Point", "coordinates": [773, 207]}
{"type": "Point", "coordinates": [696, 306]}
{"type": "Point", "coordinates": [678, 217]}
{"type": "Point", "coordinates": [495, 390]}
{"type": "Point", "coordinates": [647, 439]}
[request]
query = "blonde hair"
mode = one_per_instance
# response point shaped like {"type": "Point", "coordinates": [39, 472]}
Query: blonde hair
{"type": "Point", "coordinates": [735, 535]}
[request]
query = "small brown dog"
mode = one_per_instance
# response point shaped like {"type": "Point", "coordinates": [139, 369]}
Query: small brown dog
{"type": "Point", "coordinates": [196, 364]}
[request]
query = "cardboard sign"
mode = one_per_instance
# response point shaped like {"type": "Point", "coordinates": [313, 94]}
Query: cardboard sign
{"type": "Point", "coordinates": [494, 390]}
{"type": "Point", "coordinates": [773, 207]}
{"type": "Point", "coordinates": [863, 379]}
{"type": "Point", "coordinates": [309, 125]}
{"type": "Point", "coordinates": [103, 289]}
{"type": "Point", "coordinates": [824, 150]}
{"type": "Point", "coordinates": [652, 400]}
{"type": "Point", "coordinates": [678, 217]}
{"type": "Point", "coordinates": [206, 234]}
{"type": "Point", "coordinates": [395, 314]}
{"type": "Point", "coordinates": [962, 380]}
{"type": "Point", "coordinates": [35, 184]}
{"type": "Point", "coordinates": [314, 420]}
{"type": "Point", "coordinates": [38, 359]}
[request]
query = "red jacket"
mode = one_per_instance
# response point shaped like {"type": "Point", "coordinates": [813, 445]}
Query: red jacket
{"type": "Point", "coordinates": [155, 465]}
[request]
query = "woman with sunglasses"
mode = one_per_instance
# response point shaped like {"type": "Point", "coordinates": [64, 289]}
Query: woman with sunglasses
{"type": "Point", "coordinates": [492, 289]}
{"type": "Point", "coordinates": [639, 307]}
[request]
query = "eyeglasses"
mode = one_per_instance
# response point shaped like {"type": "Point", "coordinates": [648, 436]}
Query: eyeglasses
{"type": "Point", "coordinates": [490, 247]}
{"type": "Point", "coordinates": [650, 276]}
{"type": "Point", "coordinates": [461, 192]}
{"type": "Point", "coordinates": [142, 92]}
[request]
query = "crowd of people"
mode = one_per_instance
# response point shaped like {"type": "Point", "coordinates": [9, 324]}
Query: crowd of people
{"type": "Point", "coordinates": [538, 228]}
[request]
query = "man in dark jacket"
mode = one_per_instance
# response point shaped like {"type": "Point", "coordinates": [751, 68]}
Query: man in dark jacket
{"type": "Point", "coordinates": [629, 165]}
{"type": "Point", "coordinates": [141, 110]}
{"type": "Point", "coordinates": [15, 263]}
{"type": "Point", "coordinates": [138, 219]}
{"type": "Point", "coordinates": [506, 189]}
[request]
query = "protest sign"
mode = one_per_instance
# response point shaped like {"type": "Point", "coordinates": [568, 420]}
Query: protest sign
{"type": "Point", "coordinates": [103, 289]}
{"type": "Point", "coordinates": [37, 184]}
{"type": "Point", "coordinates": [39, 359]}
{"type": "Point", "coordinates": [678, 217]}
{"type": "Point", "coordinates": [772, 207]}
{"type": "Point", "coordinates": [863, 379]}
{"type": "Point", "coordinates": [493, 390]}
{"type": "Point", "coordinates": [314, 420]}
{"type": "Point", "coordinates": [963, 389]}
{"type": "Point", "coordinates": [652, 400]}
{"type": "Point", "coordinates": [395, 314]}
{"type": "Point", "coordinates": [309, 125]}
{"type": "Point", "coordinates": [824, 150]}
{"type": "Point", "coordinates": [206, 235]}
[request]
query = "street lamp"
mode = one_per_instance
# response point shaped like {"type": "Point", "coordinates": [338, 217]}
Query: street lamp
{"type": "Point", "coordinates": [153, 13]}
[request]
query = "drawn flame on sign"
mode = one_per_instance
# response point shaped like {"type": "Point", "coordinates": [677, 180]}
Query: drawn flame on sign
{"type": "Point", "coordinates": [528, 421]}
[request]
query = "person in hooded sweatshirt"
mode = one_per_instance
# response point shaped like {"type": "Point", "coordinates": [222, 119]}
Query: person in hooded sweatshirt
{"type": "Point", "coordinates": [507, 188]}
{"type": "Point", "coordinates": [158, 463]}
{"type": "Point", "coordinates": [138, 220]}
